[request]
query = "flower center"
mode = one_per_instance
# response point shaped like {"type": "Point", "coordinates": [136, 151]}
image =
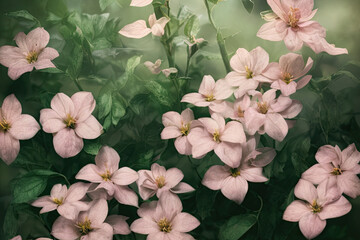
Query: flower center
{"type": "Point", "coordinates": [160, 181]}
{"type": "Point", "coordinates": [58, 201]}
{"type": "Point", "coordinates": [294, 16]}
{"type": "Point", "coordinates": [70, 122]}
{"type": "Point", "coordinates": [209, 98]}
{"type": "Point", "coordinates": [106, 176]}
{"type": "Point", "coordinates": [164, 225]}
{"type": "Point", "coordinates": [235, 172]}
{"type": "Point", "coordinates": [84, 227]}
{"type": "Point", "coordinates": [216, 137]}
{"type": "Point", "coordinates": [336, 171]}
{"type": "Point", "coordinates": [263, 107]}
{"type": "Point", "coordinates": [315, 207]}
{"type": "Point", "coordinates": [32, 57]}
{"type": "Point", "coordinates": [287, 78]}
{"type": "Point", "coordinates": [185, 129]}
{"type": "Point", "coordinates": [240, 112]}
{"type": "Point", "coordinates": [4, 125]}
{"type": "Point", "coordinates": [249, 73]}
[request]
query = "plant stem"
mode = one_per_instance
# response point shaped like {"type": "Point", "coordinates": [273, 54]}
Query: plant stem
{"type": "Point", "coordinates": [187, 62]}
{"type": "Point", "coordinates": [220, 40]}
{"type": "Point", "coordinates": [77, 84]}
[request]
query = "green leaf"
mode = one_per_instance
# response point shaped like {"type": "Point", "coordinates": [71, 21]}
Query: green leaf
{"type": "Point", "coordinates": [105, 3]}
{"type": "Point", "coordinates": [237, 226]}
{"type": "Point", "coordinates": [57, 7]}
{"type": "Point", "coordinates": [92, 148]}
{"type": "Point", "coordinates": [205, 199]}
{"type": "Point", "coordinates": [131, 64]}
{"type": "Point", "coordinates": [105, 103]}
{"type": "Point", "coordinates": [159, 92]}
{"type": "Point", "coordinates": [117, 110]}
{"type": "Point", "coordinates": [214, 1]}
{"type": "Point", "coordinates": [10, 222]}
{"type": "Point", "coordinates": [23, 14]}
{"type": "Point", "coordinates": [75, 67]}
{"type": "Point", "coordinates": [249, 5]}
{"type": "Point", "coordinates": [192, 27]}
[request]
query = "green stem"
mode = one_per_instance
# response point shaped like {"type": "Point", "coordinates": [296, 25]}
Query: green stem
{"type": "Point", "coordinates": [187, 62]}
{"type": "Point", "coordinates": [220, 40]}
{"type": "Point", "coordinates": [77, 84]}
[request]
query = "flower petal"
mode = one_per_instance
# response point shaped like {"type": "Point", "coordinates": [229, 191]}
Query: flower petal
{"type": "Point", "coordinates": [89, 129]}
{"type": "Point", "coordinates": [107, 159]}
{"type": "Point", "coordinates": [19, 68]}
{"type": "Point", "coordinates": [119, 224]}
{"type": "Point", "coordinates": [335, 209]}
{"type": "Point", "coordinates": [173, 176]}
{"type": "Point", "coordinates": [235, 189]}
{"type": "Point", "coordinates": [67, 143]}
{"type": "Point", "coordinates": [51, 121]}
{"type": "Point", "coordinates": [311, 225]}
{"type": "Point", "coordinates": [65, 229]}
{"type": "Point", "coordinates": [91, 173]}
{"type": "Point", "coordinates": [305, 191]}
{"type": "Point", "coordinates": [125, 195]}
{"type": "Point", "coordinates": [295, 211]}
{"type": "Point", "coordinates": [184, 222]}
{"type": "Point", "coordinates": [11, 108]}
{"type": "Point", "coordinates": [84, 104]}
{"type": "Point", "coordinates": [214, 177]}
{"type": "Point", "coordinates": [124, 176]}
{"type": "Point", "coordinates": [275, 126]}
{"type": "Point", "coordinates": [62, 105]}
{"type": "Point", "coordinates": [136, 29]}
{"type": "Point", "coordinates": [24, 127]}
{"type": "Point", "coordinates": [37, 39]}
{"type": "Point", "coordinates": [182, 188]}
{"type": "Point", "coordinates": [9, 147]}
{"type": "Point", "coordinates": [144, 226]}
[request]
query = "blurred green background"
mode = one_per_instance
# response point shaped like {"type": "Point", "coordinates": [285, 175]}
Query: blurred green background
{"type": "Point", "coordinates": [340, 18]}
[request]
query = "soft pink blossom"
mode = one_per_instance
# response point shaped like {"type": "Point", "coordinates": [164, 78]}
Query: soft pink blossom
{"type": "Point", "coordinates": [342, 166]}
{"type": "Point", "coordinates": [88, 225]}
{"type": "Point", "coordinates": [18, 237]}
{"type": "Point", "coordinates": [105, 173]}
{"type": "Point", "coordinates": [14, 126]}
{"type": "Point", "coordinates": [291, 67]}
{"type": "Point", "coordinates": [248, 70]}
{"type": "Point", "coordinates": [155, 68]}
{"type": "Point", "coordinates": [318, 204]}
{"type": "Point", "coordinates": [293, 25]}
{"type": "Point", "coordinates": [266, 114]}
{"type": "Point", "coordinates": [140, 3]}
{"type": "Point", "coordinates": [224, 139]}
{"type": "Point", "coordinates": [235, 110]}
{"type": "Point", "coordinates": [159, 180]}
{"type": "Point", "coordinates": [164, 220]}
{"type": "Point", "coordinates": [119, 224]}
{"type": "Point", "coordinates": [211, 94]}
{"type": "Point", "coordinates": [31, 52]}
{"type": "Point", "coordinates": [70, 120]}
{"type": "Point", "coordinates": [139, 29]}
{"type": "Point", "coordinates": [179, 126]}
{"type": "Point", "coordinates": [194, 41]}
{"type": "Point", "coordinates": [233, 180]}
{"type": "Point", "coordinates": [65, 201]}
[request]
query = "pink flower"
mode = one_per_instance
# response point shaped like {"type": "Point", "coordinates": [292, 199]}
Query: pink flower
{"type": "Point", "coordinates": [70, 120]}
{"type": "Point", "coordinates": [88, 225]}
{"type": "Point", "coordinates": [293, 25]}
{"type": "Point", "coordinates": [319, 204]}
{"type": "Point", "coordinates": [224, 139]}
{"type": "Point", "coordinates": [163, 220]}
{"type": "Point", "coordinates": [31, 52]}
{"type": "Point", "coordinates": [67, 202]}
{"type": "Point", "coordinates": [266, 114]}
{"type": "Point", "coordinates": [158, 181]}
{"type": "Point", "coordinates": [248, 70]}
{"type": "Point", "coordinates": [290, 68]}
{"type": "Point", "coordinates": [155, 68]}
{"type": "Point", "coordinates": [233, 180]}
{"type": "Point", "coordinates": [236, 110]}
{"type": "Point", "coordinates": [211, 94]}
{"type": "Point", "coordinates": [107, 175]}
{"type": "Point", "coordinates": [139, 29]}
{"type": "Point", "coordinates": [119, 224]}
{"type": "Point", "coordinates": [14, 126]}
{"type": "Point", "coordinates": [342, 166]}
{"type": "Point", "coordinates": [18, 237]}
{"type": "Point", "coordinates": [179, 126]}
{"type": "Point", "coordinates": [140, 3]}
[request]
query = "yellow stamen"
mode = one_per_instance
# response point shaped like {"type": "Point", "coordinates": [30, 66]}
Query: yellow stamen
{"type": "Point", "coordinates": [240, 112]}
{"type": "Point", "coordinates": [249, 73]}
{"type": "Point", "coordinates": [70, 122]}
{"type": "Point", "coordinates": [106, 176]}
{"type": "Point", "coordinates": [185, 129]}
{"type": "Point", "coordinates": [315, 207]}
{"type": "Point", "coordinates": [287, 78]}
{"type": "Point", "coordinates": [216, 137]}
{"type": "Point", "coordinates": [209, 98]}
{"type": "Point", "coordinates": [235, 172]}
{"type": "Point", "coordinates": [160, 181]}
{"type": "Point", "coordinates": [4, 125]}
{"type": "Point", "coordinates": [294, 16]}
{"type": "Point", "coordinates": [32, 57]}
{"type": "Point", "coordinates": [58, 201]}
{"type": "Point", "coordinates": [164, 225]}
{"type": "Point", "coordinates": [263, 107]}
{"type": "Point", "coordinates": [336, 171]}
{"type": "Point", "coordinates": [84, 227]}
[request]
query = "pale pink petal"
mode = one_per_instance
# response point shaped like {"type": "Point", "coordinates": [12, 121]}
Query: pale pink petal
{"type": "Point", "coordinates": [201, 141]}
{"type": "Point", "coordinates": [11, 108]}
{"type": "Point", "coordinates": [124, 176]}
{"type": "Point", "coordinates": [328, 191]}
{"type": "Point", "coordinates": [296, 210]}
{"type": "Point", "coordinates": [84, 105]}
{"type": "Point", "coordinates": [317, 173]}
{"type": "Point", "coordinates": [48, 53]}
{"type": "Point", "coordinates": [292, 63]}
{"type": "Point", "coordinates": [210, 124]}
{"type": "Point", "coordinates": [235, 188]}
{"type": "Point", "coordinates": [157, 170]}
{"type": "Point", "coordinates": [104, 231]}
{"type": "Point", "coordinates": [71, 210]}
{"type": "Point", "coordinates": [19, 68]}
{"type": "Point", "coordinates": [20, 40]}
{"type": "Point", "coordinates": [253, 120]}
{"type": "Point", "coordinates": [282, 102]}
{"type": "Point", "coordinates": [51, 121]}
{"type": "Point", "coordinates": [183, 145]}
{"type": "Point", "coordinates": [89, 129]}
{"type": "Point", "coordinates": [305, 191]}
{"type": "Point", "coordinates": [107, 159]}
{"type": "Point", "coordinates": [268, 31]}
{"type": "Point", "coordinates": [9, 55]}
{"type": "Point", "coordinates": [119, 224]}
{"type": "Point", "coordinates": [136, 29]}
{"type": "Point", "coordinates": [229, 153]}
{"type": "Point", "coordinates": [65, 229]}
{"type": "Point", "coordinates": [259, 60]}
{"type": "Point", "coordinates": [170, 132]}
{"type": "Point", "coordinates": [46, 203]}
{"type": "Point", "coordinates": [287, 89]}
{"type": "Point", "coordinates": [335, 209]}
{"type": "Point", "coordinates": [140, 3]}
{"type": "Point", "coordinates": [321, 45]}
{"type": "Point", "coordinates": [126, 196]}
{"type": "Point", "coordinates": [43, 63]}
{"type": "Point", "coordinates": [67, 143]}
{"type": "Point", "coordinates": [98, 212]}
{"type": "Point", "coordinates": [328, 154]}
{"type": "Point", "coordinates": [207, 85]}
{"type": "Point", "coordinates": [214, 177]}
{"type": "Point", "coordinates": [187, 115]}
{"type": "Point", "coordinates": [170, 204]}
{"type": "Point", "coordinates": [349, 183]}
{"type": "Point", "coordinates": [144, 226]}
{"type": "Point", "coordinates": [195, 98]}
{"type": "Point", "coordinates": [241, 59]}
{"type": "Point", "coordinates": [62, 105]}
{"type": "Point", "coordinates": [293, 110]}
{"type": "Point", "coordinates": [9, 147]}
{"type": "Point", "coordinates": [17, 238]}
{"type": "Point", "coordinates": [307, 68]}
{"type": "Point", "coordinates": [269, 95]}
{"type": "Point", "coordinates": [311, 225]}
{"type": "Point", "coordinates": [108, 186]}
{"type": "Point", "coordinates": [182, 188]}
{"type": "Point", "coordinates": [24, 127]}
{"type": "Point", "coordinates": [350, 158]}
{"type": "Point", "coordinates": [77, 191]}
{"type": "Point", "coordinates": [173, 176]}
{"type": "Point", "coordinates": [292, 41]}
{"type": "Point", "coordinates": [272, 71]}
{"type": "Point", "coordinates": [157, 29]}
{"type": "Point", "coordinates": [184, 222]}
{"type": "Point", "coordinates": [172, 119]}
{"type": "Point", "coordinates": [233, 133]}
{"type": "Point", "coordinates": [253, 175]}
{"type": "Point", "coordinates": [37, 39]}
{"type": "Point", "coordinates": [264, 157]}
{"type": "Point", "coordinates": [147, 210]}
{"type": "Point", "coordinates": [162, 236]}
{"type": "Point", "coordinates": [90, 173]}
{"type": "Point", "coordinates": [278, 8]}
{"type": "Point", "coordinates": [222, 90]}
{"type": "Point", "coordinates": [58, 191]}
{"type": "Point", "coordinates": [275, 126]}
{"type": "Point", "coordinates": [169, 71]}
